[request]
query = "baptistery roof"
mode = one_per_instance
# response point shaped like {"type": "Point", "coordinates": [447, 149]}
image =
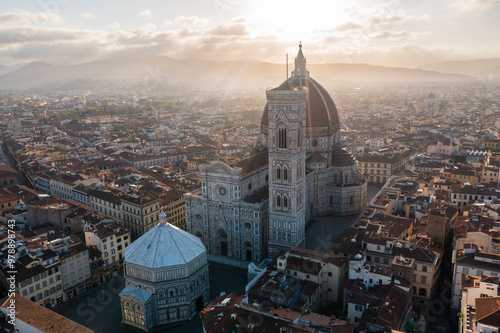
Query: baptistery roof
{"type": "Point", "coordinates": [162, 246]}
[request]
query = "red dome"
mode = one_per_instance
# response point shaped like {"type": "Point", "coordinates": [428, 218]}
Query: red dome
{"type": "Point", "coordinates": [321, 113]}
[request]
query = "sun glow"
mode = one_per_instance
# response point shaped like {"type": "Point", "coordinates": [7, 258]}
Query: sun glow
{"type": "Point", "coordinates": [292, 20]}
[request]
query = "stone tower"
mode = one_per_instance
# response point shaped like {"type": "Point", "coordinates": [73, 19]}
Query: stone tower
{"type": "Point", "coordinates": [287, 160]}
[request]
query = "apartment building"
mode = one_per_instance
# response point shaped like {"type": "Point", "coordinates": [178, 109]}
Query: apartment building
{"type": "Point", "coordinates": [107, 203]}
{"type": "Point", "coordinates": [462, 175]}
{"type": "Point", "coordinates": [111, 240]}
{"type": "Point", "coordinates": [378, 168]}
{"type": "Point", "coordinates": [426, 263]}
{"type": "Point", "coordinates": [466, 194]}
{"type": "Point", "coordinates": [329, 271]}
{"type": "Point", "coordinates": [140, 212]}
{"type": "Point", "coordinates": [173, 204]}
{"type": "Point", "coordinates": [472, 262]}
{"type": "Point", "coordinates": [74, 258]}
{"type": "Point", "coordinates": [8, 176]}
{"type": "Point", "coordinates": [39, 278]}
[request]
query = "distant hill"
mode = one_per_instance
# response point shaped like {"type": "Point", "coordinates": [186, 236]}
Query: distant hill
{"type": "Point", "coordinates": [150, 71]}
{"type": "Point", "coordinates": [493, 73]}
{"type": "Point", "coordinates": [7, 69]}
{"type": "Point", "coordinates": [479, 67]}
{"type": "Point", "coordinates": [370, 73]}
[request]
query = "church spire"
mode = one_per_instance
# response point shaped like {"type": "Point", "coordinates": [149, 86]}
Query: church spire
{"type": "Point", "coordinates": [300, 70]}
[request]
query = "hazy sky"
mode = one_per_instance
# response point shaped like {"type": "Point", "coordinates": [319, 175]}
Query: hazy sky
{"type": "Point", "coordinates": [393, 33]}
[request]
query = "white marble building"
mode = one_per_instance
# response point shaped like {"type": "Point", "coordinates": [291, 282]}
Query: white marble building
{"type": "Point", "coordinates": [166, 274]}
{"type": "Point", "coordinates": [253, 208]}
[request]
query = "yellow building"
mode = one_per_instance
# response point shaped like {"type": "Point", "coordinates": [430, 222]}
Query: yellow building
{"type": "Point", "coordinates": [58, 154]}
{"type": "Point", "coordinates": [8, 200]}
{"type": "Point", "coordinates": [140, 212]}
{"type": "Point", "coordinates": [8, 176]}
{"type": "Point", "coordinates": [461, 175]}
{"type": "Point", "coordinates": [174, 206]}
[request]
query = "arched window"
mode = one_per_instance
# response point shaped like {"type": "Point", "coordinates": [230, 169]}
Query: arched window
{"type": "Point", "coordinates": [285, 174]}
{"type": "Point", "coordinates": [278, 201]}
{"type": "Point", "coordinates": [335, 179]}
{"type": "Point", "coordinates": [351, 200]}
{"type": "Point", "coordinates": [299, 143]}
{"type": "Point", "coordinates": [346, 178]}
{"type": "Point", "coordinates": [282, 138]}
{"type": "Point", "coordinates": [278, 173]}
{"type": "Point", "coordinates": [331, 199]}
{"type": "Point", "coordinates": [285, 202]}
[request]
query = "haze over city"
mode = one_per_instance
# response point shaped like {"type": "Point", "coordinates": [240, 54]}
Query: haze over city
{"type": "Point", "coordinates": [249, 165]}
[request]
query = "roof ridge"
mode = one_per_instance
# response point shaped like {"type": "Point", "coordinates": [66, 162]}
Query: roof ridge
{"type": "Point", "coordinates": [175, 242]}
{"type": "Point", "coordinates": [157, 234]}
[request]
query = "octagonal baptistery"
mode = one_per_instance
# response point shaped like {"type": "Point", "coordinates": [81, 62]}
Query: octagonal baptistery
{"type": "Point", "coordinates": [166, 277]}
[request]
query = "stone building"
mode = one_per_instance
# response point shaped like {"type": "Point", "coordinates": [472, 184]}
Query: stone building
{"type": "Point", "coordinates": [256, 207]}
{"type": "Point", "coordinates": [440, 222]}
{"type": "Point", "coordinates": [166, 274]}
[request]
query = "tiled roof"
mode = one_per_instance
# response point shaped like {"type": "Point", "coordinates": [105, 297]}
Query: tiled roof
{"type": "Point", "coordinates": [321, 110]}
{"type": "Point", "coordinates": [488, 310]}
{"type": "Point", "coordinates": [42, 318]}
{"type": "Point", "coordinates": [252, 163]}
{"type": "Point", "coordinates": [163, 246]}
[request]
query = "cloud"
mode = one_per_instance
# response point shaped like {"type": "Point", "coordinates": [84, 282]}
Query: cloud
{"type": "Point", "coordinates": [231, 29]}
{"type": "Point", "coordinates": [382, 14]}
{"type": "Point", "coordinates": [187, 21]}
{"type": "Point", "coordinates": [470, 5]}
{"type": "Point", "coordinates": [390, 34]}
{"type": "Point", "coordinates": [113, 26]}
{"type": "Point", "coordinates": [36, 19]}
{"type": "Point", "coordinates": [21, 36]}
{"type": "Point", "coordinates": [14, 17]}
{"type": "Point", "coordinates": [347, 26]}
{"type": "Point", "coordinates": [193, 37]}
{"type": "Point", "coordinates": [150, 26]}
{"type": "Point", "coordinates": [87, 15]}
{"type": "Point", "coordinates": [146, 13]}
{"type": "Point", "coordinates": [424, 17]}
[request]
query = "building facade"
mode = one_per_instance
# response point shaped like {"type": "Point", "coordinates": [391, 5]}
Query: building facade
{"type": "Point", "coordinates": [140, 212]}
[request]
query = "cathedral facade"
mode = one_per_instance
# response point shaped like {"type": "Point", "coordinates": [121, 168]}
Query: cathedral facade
{"type": "Point", "coordinates": [256, 207]}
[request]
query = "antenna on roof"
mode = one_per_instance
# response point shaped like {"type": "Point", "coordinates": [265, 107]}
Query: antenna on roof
{"type": "Point", "coordinates": [287, 66]}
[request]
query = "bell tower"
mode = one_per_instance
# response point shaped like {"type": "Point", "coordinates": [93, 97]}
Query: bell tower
{"type": "Point", "coordinates": [287, 159]}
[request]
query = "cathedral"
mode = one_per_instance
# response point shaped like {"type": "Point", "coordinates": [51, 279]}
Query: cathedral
{"type": "Point", "coordinates": [252, 209]}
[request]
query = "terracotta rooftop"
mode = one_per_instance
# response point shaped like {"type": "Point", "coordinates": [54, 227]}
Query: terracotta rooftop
{"type": "Point", "coordinates": [252, 163]}
{"type": "Point", "coordinates": [42, 318]}
{"type": "Point", "coordinates": [488, 311]}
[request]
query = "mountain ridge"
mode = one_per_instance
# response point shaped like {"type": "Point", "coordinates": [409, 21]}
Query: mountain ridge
{"type": "Point", "coordinates": [159, 69]}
